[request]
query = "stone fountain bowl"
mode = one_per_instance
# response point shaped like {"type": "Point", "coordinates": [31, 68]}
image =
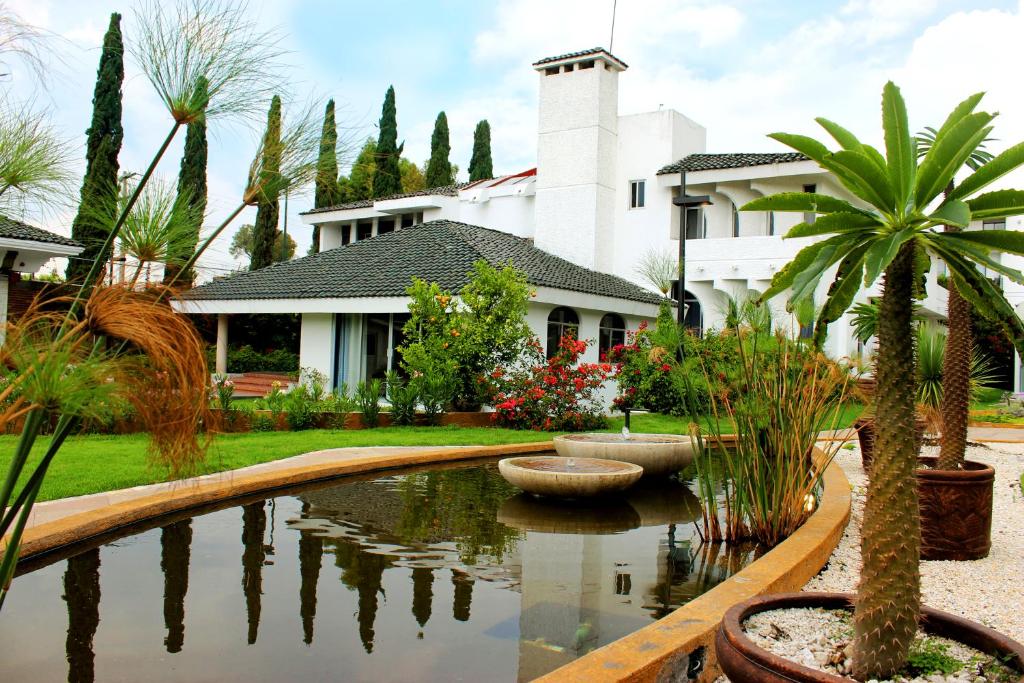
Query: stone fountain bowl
{"type": "Point", "coordinates": [551, 475]}
{"type": "Point", "coordinates": [658, 454]}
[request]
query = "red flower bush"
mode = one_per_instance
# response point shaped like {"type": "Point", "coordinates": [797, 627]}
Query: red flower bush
{"type": "Point", "coordinates": [555, 394]}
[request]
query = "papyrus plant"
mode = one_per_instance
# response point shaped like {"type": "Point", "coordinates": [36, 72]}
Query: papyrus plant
{"type": "Point", "coordinates": [893, 232]}
{"type": "Point", "coordinates": [778, 398]}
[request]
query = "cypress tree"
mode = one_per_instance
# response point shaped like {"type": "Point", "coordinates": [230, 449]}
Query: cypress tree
{"type": "Point", "coordinates": [439, 169]}
{"type": "Point", "coordinates": [104, 143]}
{"type": "Point", "coordinates": [387, 179]}
{"type": "Point", "coordinates": [480, 167]}
{"type": "Point", "coordinates": [327, 170]}
{"type": "Point", "coordinates": [265, 228]}
{"type": "Point", "coordinates": [192, 189]}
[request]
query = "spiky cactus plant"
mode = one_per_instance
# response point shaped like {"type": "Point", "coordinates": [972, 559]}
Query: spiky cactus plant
{"type": "Point", "coordinates": [894, 229]}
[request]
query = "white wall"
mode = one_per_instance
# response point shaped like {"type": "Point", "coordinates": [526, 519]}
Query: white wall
{"type": "Point", "coordinates": [316, 342]}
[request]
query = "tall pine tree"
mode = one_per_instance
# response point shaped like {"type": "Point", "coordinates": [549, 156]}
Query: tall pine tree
{"type": "Point", "coordinates": [104, 143]}
{"type": "Point", "coordinates": [191, 189]}
{"type": "Point", "coordinates": [265, 229]}
{"type": "Point", "coordinates": [480, 167]}
{"type": "Point", "coordinates": [387, 179]}
{"type": "Point", "coordinates": [327, 192]}
{"type": "Point", "coordinates": [439, 169]}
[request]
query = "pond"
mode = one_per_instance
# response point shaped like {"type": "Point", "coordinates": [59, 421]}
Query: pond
{"type": "Point", "coordinates": [445, 573]}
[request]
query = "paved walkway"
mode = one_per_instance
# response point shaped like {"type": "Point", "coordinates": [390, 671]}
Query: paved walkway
{"type": "Point", "coordinates": [56, 509]}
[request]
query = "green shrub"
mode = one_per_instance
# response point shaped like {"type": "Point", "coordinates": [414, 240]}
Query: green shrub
{"type": "Point", "coordinates": [435, 392]}
{"type": "Point", "coordinates": [368, 399]}
{"type": "Point", "coordinates": [403, 397]}
{"type": "Point", "coordinates": [262, 423]}
{"type": "Point", "coordinates": [274, 401]}
{"type": "Point", "coordinates": [464, 339]}
{"type": "Point", "coordinates": [299, 408]}
{"type": "Point", "coordinates": [247, 359]}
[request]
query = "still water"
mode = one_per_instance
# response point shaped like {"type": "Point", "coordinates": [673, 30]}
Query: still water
{"type": "Point", "coordinates": [446, 574]}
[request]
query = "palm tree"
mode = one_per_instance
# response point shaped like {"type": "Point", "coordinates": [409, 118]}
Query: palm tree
{"type": "Point", "coordinates": [896, 235]}
{"type": "Point", "coordinates": [958, 359]}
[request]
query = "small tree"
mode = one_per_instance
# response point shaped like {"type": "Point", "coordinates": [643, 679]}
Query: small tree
{"type": "Point", "coordinates": [480, 167]}
{"type": "Point", "coordinates": [897, 236]}
{"type": "Point", "coordinates": [467, 340]}
{"type": "Point", "coordinates": [387, 178]}
{"type": "Point", "coordinates": [439, 168]}
{"type": "Point", "coordinates": [268, 210]}
{"type": "Point", "coordinates": [327, 191]}
{"type": "Point", "coordinates": [102, 148]}
{"type": "Point", "coordinates": [241, 244]}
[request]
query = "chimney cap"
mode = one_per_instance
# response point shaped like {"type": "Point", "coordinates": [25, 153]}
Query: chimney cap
{"type": "Point", "coordinates": [582, 55]}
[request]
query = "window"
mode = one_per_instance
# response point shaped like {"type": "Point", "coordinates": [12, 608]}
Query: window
{"type": "Point", "coordinates": [695, 224]}
{"type": "Point", "coordinates": [636, 193]}
{"type": "Point", "coordinates": [693, 316]}
{"type": "Point", "coordinates": [567, 68]}
{"type": "Point", "coordinates": [346, 234]}
{"type": "Point", "coordinates": [588, 64]}
{"type": "Point", "coordinates": [735, 220]}
{"type": "Point", "coordinates": [551, 71]}
{"type": "Point", "coordinates": [561, 321]}
{"type": "Point", "coordinates": [364, 230]}
{"type": "Point", "coordinates": [807, 330]}
{"type": "Point", "coordinates": [771, 223]}
{"type": "Point", "coordinates": [611, 331]}
{"type": "Point", "coordinates": [999, 224]}
{"type": "Point", "coordinates": [407, 220]}
{"type": "Point", "coordinates": [385, 225]}
{"type": "Point", "coordinates": [809, 215]}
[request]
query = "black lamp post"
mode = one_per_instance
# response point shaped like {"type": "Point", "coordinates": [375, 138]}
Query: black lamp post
{"type": "Point", "coordinates": [685, 202]}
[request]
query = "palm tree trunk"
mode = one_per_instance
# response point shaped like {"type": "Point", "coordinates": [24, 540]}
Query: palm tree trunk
{"type": "Point", "coordinates": [889, 595]}
{"type": "Point", "coordinates": [956, 377]}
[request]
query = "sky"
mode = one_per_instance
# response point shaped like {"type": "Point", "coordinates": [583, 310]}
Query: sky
{"type": "Point", "coordinates": [742, 68]}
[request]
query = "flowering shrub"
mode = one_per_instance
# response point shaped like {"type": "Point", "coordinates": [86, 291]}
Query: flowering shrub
{"type": "Point", "coordinates": [647, 374]}
{"type": "Point", "coordinates": [224, 392]}
{"type": "Point", "coordinates": [556, 394]}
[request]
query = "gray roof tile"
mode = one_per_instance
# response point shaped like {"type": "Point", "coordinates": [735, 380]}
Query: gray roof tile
{"type": "Point", "coordinates": [581, 53]}
{"type": "Point", "coordinates": [12, 229]}
{"type": "Point", "coordinates": [442, 251]}
{"type": "Point", "coordinates": [713, 162]}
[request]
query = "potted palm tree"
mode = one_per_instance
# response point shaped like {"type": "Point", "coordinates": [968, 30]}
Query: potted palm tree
{"type": "Point", "coordinates": [892, 233]}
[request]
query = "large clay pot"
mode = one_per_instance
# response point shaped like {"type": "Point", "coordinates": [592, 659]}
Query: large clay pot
{"type": "Point", "coordinates": [866, 432]}
{"type": "Point", "coordinates": [956, 511]}
{"type": "Point", "coordinates": [744, 662]}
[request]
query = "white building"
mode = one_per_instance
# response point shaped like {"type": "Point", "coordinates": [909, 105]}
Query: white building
{"type": "Point", "coordinates": [600, 198]}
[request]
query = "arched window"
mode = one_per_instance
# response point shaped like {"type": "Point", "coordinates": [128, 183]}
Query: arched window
{"type": "Point", "coordinates": [693, 317]}
{"type": "Point", "coordinates": [611, 331]}
{"type": "Point", "coordinates": [561, 321]}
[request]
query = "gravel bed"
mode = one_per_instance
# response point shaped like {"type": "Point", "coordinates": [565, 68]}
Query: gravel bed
{"type": "Point", "coordinates": [820, 639]}
{"type": "Point", "coordinates": [989, 591]}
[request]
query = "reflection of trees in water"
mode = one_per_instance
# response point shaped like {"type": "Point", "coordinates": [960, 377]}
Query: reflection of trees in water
{"type": "Point", "coordinates": [311, 550]}
{"type": "Point", "coordinates": [687, 573]}
{"type": "Point", "coordinates": [175, 550]}
{"type": "Point", "coordinates": [254, 524]}
{"type": "Point", "coordinates": [463, 595]}
{"type": "Point", "coordinates": [422, 594]}
{"type": "Point", "coordinates": [363, 572]}
{"type": "Point", "coordinates": [458, 504]}
{"type": "Point", "coordinates": [82, 593]}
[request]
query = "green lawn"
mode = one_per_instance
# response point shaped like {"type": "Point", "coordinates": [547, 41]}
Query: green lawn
{"type": "Point", "coordinates": [89, 464]}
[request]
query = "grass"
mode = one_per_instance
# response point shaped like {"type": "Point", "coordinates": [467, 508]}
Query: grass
{"type": "Point", "coordinates": [95, 463]}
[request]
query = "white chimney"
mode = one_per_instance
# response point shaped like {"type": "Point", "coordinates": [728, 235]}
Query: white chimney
{"type": "Point", "coordinates": [576, 156]}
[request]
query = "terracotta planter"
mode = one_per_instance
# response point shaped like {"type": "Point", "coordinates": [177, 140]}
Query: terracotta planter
{"type": "Point", "coordinates": [744, 662]}
{"type": "Point", "coordinates": [956, 511]}
{"type": "Point", "coordinates": [866, 432]}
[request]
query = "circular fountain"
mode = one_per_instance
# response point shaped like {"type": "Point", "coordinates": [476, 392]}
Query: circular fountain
{"type": "Point", "coordinates": [551, 475]}
{"type": "Point", "coordinates": [657, 454]}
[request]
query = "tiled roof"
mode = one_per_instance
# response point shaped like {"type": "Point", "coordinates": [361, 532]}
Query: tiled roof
{"type": "Point", "coordinates": [711, 162]}
{"type": "Point", "coordinates": [581, 53]}
{"type": "Point", "coordinates": [445, 191]}
{"type": "Point", "coordinates": [16, 230]}
{"type": "Point", "coordinates": [441, 251]}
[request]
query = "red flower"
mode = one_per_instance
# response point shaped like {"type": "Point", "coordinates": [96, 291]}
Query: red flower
{"type": "Point", "coordinates": [665, 367]}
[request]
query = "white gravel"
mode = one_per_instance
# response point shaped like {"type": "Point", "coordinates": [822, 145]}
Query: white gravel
{"type": "Point", "coordinates": [989, 591]}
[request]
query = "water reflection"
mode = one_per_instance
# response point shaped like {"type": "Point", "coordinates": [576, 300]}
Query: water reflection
{"type": "Point", "coordinates": [463, 583]}
{"type": "Point", "coordinates": [82, 594]}
{"type": "Point", "coordinates": [534, 583]}
{"type": "Point", "coordinates": [311, 551]}
{"type": "Point", "coordinates": [175, 549]}
{"type": "Point", "coordinates": [254, 524]}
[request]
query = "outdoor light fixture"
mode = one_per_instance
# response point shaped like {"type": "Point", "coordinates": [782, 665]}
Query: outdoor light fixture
{"type": "Point", "coordinates": [685, 202]}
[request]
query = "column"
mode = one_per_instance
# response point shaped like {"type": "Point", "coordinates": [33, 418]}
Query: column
{"type": "Point", "coordinates": [222, 343]}
{"type": "Point", "coordinates": [5, 279]}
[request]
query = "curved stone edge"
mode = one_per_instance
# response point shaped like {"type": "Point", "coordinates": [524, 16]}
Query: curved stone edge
{"type": "Point", "coordinates": [80, 527]}
{"type": "Point", "coordinates": [660, 652]}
